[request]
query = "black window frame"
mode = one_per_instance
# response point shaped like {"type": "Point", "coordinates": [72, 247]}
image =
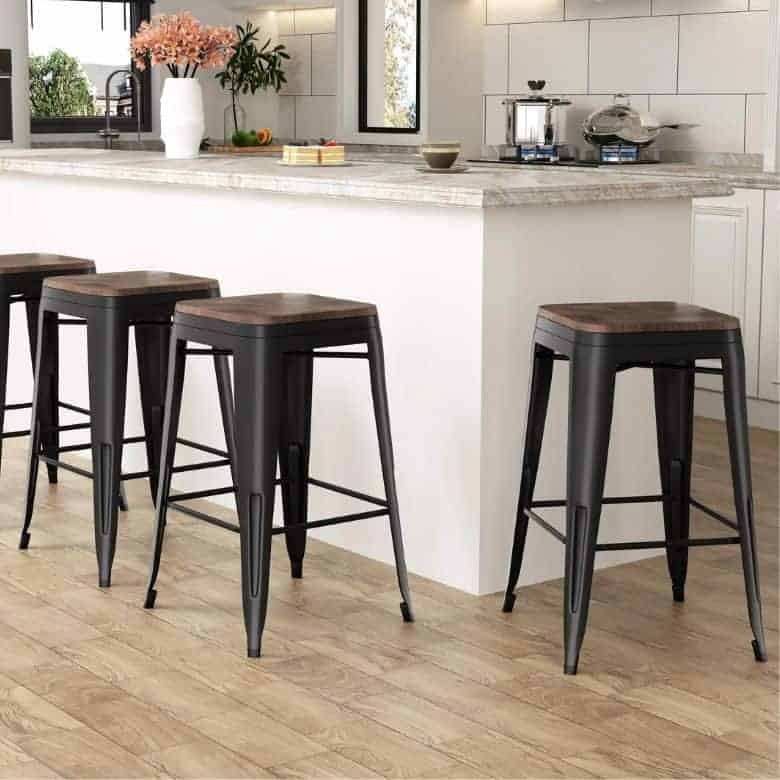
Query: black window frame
{"type": "Point", "coordinates": [140, 11]}
{"type": "Point", "coordinates": [363, 126]}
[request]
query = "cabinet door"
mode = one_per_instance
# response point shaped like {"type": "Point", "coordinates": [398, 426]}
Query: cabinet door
{"type": "Point", "coordinates": [769, 345]}
{"type": "Point", "coordinates": [726, 254]}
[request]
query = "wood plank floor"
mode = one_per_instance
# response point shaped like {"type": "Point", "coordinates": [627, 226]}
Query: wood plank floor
{"type": "Point", "coordinates": [92, 686]}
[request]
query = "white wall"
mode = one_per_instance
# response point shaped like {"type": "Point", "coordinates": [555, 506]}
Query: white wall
{"type": "Point", "coordinates": [13, 36]}
{"type": "Point", "coordinates": [700, 61]}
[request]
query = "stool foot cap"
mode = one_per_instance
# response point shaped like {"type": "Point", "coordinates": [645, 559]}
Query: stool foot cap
{"type": "Point", "coordinates": [151, 597]}
{"type": "Point", "coordinates": [570, 668]}
{"type": "Point", "coordinates": [509, 602]}
{"type": "Point", "coordinates": [296, 570]}
{"type": "Point", "coordinates": [253, 652]}
{"type": "Point", "coordinates": [407, 613]}
{"type": "Point", "coordinates": [759, 652]}
{"type": "Point", "coordinates": [678, 591]}
{"type": "Point", "coordinates": [52, 472]}
{"type": "Point", "coordinates": [24, 542]}
{"type": "Point", "coordinates": [105, 582]}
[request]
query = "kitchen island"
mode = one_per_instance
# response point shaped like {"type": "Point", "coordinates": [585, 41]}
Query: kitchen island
{"type": "Point", "coordinates": [457, 265]}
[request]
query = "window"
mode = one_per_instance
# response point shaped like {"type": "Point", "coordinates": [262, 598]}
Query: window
{"type": "Point", "coordinates": [74, 46]}
{"type": "Point", "coordinates": [389, 51]}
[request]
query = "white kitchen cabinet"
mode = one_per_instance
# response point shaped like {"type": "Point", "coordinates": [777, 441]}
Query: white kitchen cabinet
{"type": "Point", "coordinates": [727, 249]}
{"type": "Point", "coordinates": [769, 346]}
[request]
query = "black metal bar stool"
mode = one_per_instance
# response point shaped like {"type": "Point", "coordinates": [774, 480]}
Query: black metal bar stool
{"type": "Point", "coordinates": [111, 304]}
{"type": "Point", "coordinates": [599, 340]}
{"type": "Point", "coordinates": [21, 280]}
{"type": "Point", "coordinates": [274, 339]}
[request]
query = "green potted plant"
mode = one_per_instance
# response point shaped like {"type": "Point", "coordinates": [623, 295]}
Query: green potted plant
{"type": "Point", "coordinates": [249, 69]}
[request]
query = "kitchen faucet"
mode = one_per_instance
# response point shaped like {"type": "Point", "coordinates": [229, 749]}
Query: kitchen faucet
{"type": "Point", "coordinates": [107, 133]}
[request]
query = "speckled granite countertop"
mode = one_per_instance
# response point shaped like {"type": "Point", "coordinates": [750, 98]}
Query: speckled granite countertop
{"type": "Point", "coordinates": [480, 187]}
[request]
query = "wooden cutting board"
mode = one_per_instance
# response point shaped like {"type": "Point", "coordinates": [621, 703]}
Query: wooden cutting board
{"type": "Point", "coordinates": [244, 149]}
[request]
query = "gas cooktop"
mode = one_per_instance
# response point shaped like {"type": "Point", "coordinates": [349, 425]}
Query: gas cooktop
{"type": "Point", "coordinates": [566, 163]}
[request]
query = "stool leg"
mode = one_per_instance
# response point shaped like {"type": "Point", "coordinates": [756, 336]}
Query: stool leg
{"type": "Point", "coordinates": [734, 397]}
{"type": "Point", "coordinates": [674, 426]}
{"type": "Point", "coordinates": [538, 398]}
{"type": "Point", "coordinates": [376, 361]}
{"type": "Point", "coordinates": [49, 408]}
{"type": "Point", "coordinates": [225, 394]}
{"type": "Point", "coordinates": [107, 354]}
{"type": "Point", "coordinates": [294, 448]}
{"type": "Point", "coordinates": [48, 322]}
{"type": "Point", "coordinates": [591, 394]}
{"type": "Point", "coordinates": [5, 325]}
{"type": "Point", "coordinates": [175, 374]}
{"type": "Point", "coordinates": [152, 345]}
{"type": "Point", "coordinates": [258, 373]}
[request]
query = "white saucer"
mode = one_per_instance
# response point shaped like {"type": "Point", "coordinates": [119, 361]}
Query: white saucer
{"type": "Point", "coordinates": [453, 169]}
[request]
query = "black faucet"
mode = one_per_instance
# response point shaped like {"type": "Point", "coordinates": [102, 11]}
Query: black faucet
{"type": "Point", "coordinates": [107, 134]}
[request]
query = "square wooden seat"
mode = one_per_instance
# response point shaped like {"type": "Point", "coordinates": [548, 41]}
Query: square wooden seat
{"type": "Point", "coordinates": [637, 317]}
{"type": "Point", "coordinates": [129, 283]}
{"type": "Point", "coordinates": [41, 263]}
{"type": "Point", "coordinates": [275, 308]}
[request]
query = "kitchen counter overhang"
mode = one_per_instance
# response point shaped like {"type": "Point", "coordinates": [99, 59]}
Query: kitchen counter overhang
{"type": "Point", "coordinates": [480, 187]}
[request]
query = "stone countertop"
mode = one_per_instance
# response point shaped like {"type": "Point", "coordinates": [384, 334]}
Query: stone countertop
{"type": "Point", "coordinates": [746, 177]}
{"type": "Point", "coordinates": [480, 187]}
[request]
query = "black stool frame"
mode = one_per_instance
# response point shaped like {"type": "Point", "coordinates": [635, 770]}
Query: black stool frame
{"type": "Point", "coordinates": [273, 367]}
{"type": "Point", "coordinates": [595, 359]}
{"type": "Point", "coordinates": [108, 321]}
{"type": "Point", "coordinates": [25, 287]}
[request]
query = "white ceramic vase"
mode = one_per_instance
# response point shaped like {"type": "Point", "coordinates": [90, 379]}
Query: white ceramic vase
{"type": "Point", "coordinates": [181, 118]}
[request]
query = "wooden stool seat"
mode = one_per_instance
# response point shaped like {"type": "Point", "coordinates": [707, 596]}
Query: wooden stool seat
{"type": "Point", "coordinates": [637, 317]}
{"type": "Point", "coordinates": [38, 263]}
{"type": "Point", "coordinates": [126, 283]}
{"type": "Point", "coordinates": [275, 308]}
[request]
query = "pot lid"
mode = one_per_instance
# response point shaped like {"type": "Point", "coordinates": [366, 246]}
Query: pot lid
{"type": "Point", "coordinates": [536, 96]}
{"type": "Point", "coordinates": [619, 120]}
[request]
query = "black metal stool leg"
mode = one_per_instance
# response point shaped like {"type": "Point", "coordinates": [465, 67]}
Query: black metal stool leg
{"type": "Point", "coordinates": [152, 347]}
{"type": "Point", "coordinates": [227, 410]}
{"type": "Point", "coordinates": [175, 374]}
{"type": "Point", "coordinates": [294, 447]}
{"type": "Point", "coordinates": [258, 377]}
{"type": "Point", "coordinates": [107, 336]}
{"type": "Point", "coordinates": [376, 362]}
{"type": "Point", "coordinates": [5, 326]}
{"type": "Point", "coordinates": [674, 424]}
{"type": "Point", "coordinates": [735, 403]}
{"type": "Point", "coordinates": [49, 409]}
{"type": "Point", "coordinates": [48, 320]}
{"type": "Point", "coordinates": [591, 394]}
{"type": "Point", "coordinates": [538, 398]}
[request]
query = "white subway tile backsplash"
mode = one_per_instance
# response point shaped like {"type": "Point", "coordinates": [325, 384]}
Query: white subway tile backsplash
{"type": "Point", "coordinates": [495, 59]}
{"type": "Point", "coordinates": [554, 51]}
{"type": "Point", "coordinates": [315, 116]}
{"type": "Point", "coordinates": [697, 6]}
{"type": "Point", "coordinates": [285, 127]}
{"type": "Point", "coordinates": [721, 120]}
{"type": "Point", "coordinates": [495, 119]}
{"type": "Point", "coordinates": [298, 67]}
{"type": "Point", "coordinates": [309, 21]}
{"type": "Point", "coordinates": [754, 124]}
{"type": "Point", "coordinates": [633, 55]}
{"type": "Point", "coordinates": [606, 9]}
{"type": "Point", "coordinates": [508, 11]}
{"type": "Point", "coordinates": [723, 52]}
{"type": "Point", "coordinates": [323, 64]}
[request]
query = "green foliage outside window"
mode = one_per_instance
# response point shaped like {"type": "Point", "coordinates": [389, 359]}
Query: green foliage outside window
{"type": "Point", "coordinates": [59, 87]}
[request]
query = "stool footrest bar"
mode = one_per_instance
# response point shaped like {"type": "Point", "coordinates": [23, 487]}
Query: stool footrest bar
{"type": "Point", "coordinates": [208, 464]}
{"type": "Point", "coordinates": [284, 529]}
{"type": "Point", "coordinates": [651, 499]}
{"type": "Point", "coordinates": [13, 407]}
{"type": "Point", "coordinates": [347, 492]}
{"type": "Point", "coordinates": [67, 466]}
{"type": "Point", "coordinates": [713, 514]}
{"type": "Point", "coordinates": [134, 475]}
{"type": "Point", "coordinates": [544, 524]}
{"type": "Point", "coordinates": [660, 544]}
{"type": "Point", "coordinates": [208, 352]}
{"type": "Point", "coordinates": [73, 408]}
{"type": "Point", "coordinates": [210, 519]}
{"type": "Point", "coordinates": [196, 494]}
{"type": "Point", "coordinates": [343, 355]}
{"type": "Point", "coordinates": [203, 448]}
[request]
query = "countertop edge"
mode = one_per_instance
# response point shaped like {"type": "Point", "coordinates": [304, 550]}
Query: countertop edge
{"type": "Point", "coordinates": [669, 186]}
